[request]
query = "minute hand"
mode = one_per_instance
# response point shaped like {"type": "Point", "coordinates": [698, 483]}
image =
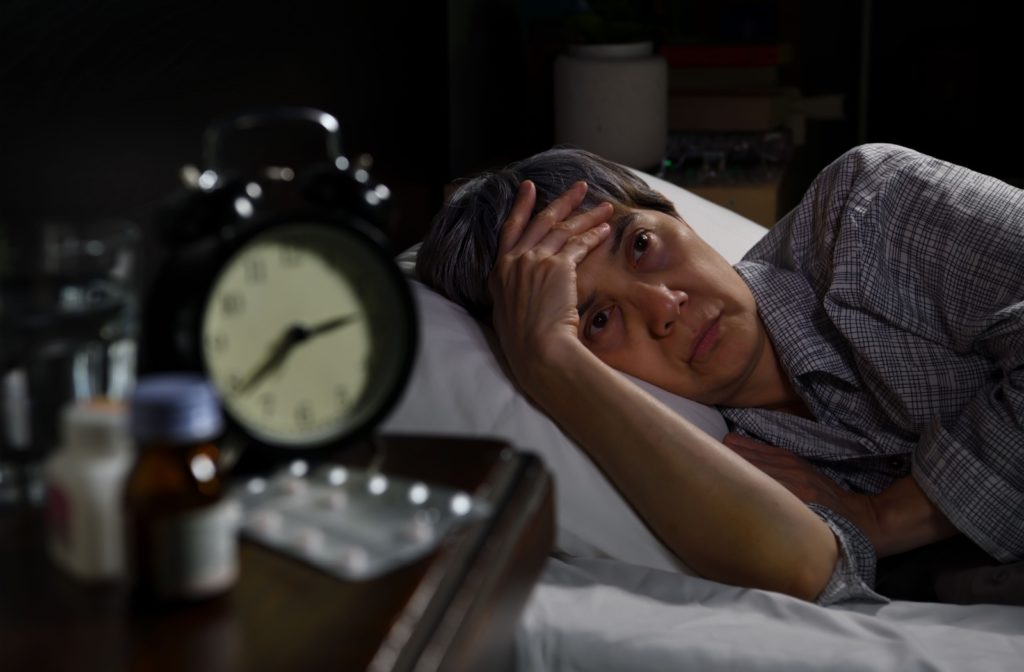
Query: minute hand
{"type": "Point", "coordinates": [330, 325]}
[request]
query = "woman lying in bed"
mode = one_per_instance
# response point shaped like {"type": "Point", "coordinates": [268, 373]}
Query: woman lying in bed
{"type": "Point", "coordinates": [868, 355]}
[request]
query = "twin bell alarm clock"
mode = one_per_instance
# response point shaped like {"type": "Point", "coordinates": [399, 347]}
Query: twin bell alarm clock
{"type": "Point", "coordinates": [279, 287]}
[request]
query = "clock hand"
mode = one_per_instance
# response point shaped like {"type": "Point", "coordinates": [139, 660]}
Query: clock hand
{"type": "Point", "coordinates": [283, 346]}
{"type": "Point", "coordinates": [330, 325]}
{"type": "Point", "coordinates": [278, 353]}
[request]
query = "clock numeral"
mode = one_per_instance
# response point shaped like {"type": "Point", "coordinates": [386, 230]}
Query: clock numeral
{"type": "Point", "coordinates": [267, 404]}
{"type": "Point", "coordinates": [255, 271]}
{"type": "Point", "coordinates": [232, 304]}
{"type": "Point", "coordinates": [291, 256]}
{"type": "Point", "coordinates": [234, 382]}
{"type": "Point", "coordinates": [304, 414]}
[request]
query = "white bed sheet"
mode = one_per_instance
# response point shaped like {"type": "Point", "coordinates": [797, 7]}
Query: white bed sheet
{"type": "Point", "coordinates": [596, 614]}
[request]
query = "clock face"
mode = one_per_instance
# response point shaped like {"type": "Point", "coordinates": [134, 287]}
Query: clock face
{"type": "Point", "coordinates": [307, 334]}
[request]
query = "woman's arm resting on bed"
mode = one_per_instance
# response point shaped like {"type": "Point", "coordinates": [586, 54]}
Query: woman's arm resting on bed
{"type": "Point", "coordinates": [720, 514]}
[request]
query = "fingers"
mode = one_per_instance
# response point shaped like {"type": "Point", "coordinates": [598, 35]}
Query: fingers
{"type": "Point", "coordinates": [555, 214]}
{"type": "Point", "coordinates": [557, 235]}
{"type": "Point", "coordinates": [518, 218]}
{"type": "Point", "coordinates": [734, 440]}
{"type": "Point", "coordinates": [763, 454]}
{"type": "Point", "coordinates": [554, 224]}
{"type": "Point", "coordinates": [578, 246]}
{"type": "Point", "coordinates": [548, 231]}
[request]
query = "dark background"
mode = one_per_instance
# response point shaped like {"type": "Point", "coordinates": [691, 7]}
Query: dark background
{"type": "Point", "coordinates": [103, 101]}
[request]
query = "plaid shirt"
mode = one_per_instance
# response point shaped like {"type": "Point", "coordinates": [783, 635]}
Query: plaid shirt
{"type": "Point", "coordinates": [894, 296]}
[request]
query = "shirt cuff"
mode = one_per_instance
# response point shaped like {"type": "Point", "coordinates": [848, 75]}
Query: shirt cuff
{"type": "Point", "coordinates": [853, 578]}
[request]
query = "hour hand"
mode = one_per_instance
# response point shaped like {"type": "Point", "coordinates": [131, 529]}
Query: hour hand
{"type": "Point", "coordinates": [278, 353]}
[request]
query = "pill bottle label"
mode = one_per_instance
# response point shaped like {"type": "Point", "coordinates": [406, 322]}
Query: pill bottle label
{"type": "Point", "coordinates": [195, 554]}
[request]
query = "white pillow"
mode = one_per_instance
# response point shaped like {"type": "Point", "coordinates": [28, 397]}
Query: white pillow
{"type": "Point", "coordinates": [458, 388]}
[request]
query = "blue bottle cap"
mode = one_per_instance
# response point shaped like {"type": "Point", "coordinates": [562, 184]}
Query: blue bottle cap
{"type": "Point", "coordinates": [175, 408]}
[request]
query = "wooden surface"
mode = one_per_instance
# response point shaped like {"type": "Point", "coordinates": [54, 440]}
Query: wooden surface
{"type": "Point", "coordinates": [455, 609]}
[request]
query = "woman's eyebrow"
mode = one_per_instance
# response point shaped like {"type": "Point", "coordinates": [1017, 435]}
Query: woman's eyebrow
{"type": "Point", "coordinates": [582, 308]}
{"type": "Point", "coordinates": [621, 225]}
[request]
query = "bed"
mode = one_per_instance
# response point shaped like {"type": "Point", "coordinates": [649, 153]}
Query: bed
{"type": "Point", "coordinates": [612, 597]}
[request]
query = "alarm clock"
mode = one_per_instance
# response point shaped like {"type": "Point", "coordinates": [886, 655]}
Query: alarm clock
{"type": "Point", "coordinates": [279, 286]}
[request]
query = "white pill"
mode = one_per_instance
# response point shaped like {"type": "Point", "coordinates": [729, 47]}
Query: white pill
{"type": "Point", "coordinates": [266, 521]}
{"type": "Point", "coordinates": [292, 486]}
{"type": "Point", "coordinates": [332, 500]}
{"type": "Point", "coordinates": [308, 539]}
{"type": "Point", "coordinates": [353, 558]}
{"type": "Point", "coordinates": [417, 531]}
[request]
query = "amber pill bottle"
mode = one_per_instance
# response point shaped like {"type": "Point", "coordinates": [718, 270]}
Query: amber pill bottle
{"type": "Point", "coordinates": [181, 524]}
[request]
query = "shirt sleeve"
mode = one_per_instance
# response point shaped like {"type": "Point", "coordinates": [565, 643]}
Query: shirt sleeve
{"type": "Point", "coordinates": [973, 470]}
{"type": "Point", "coordinates": [853, 578]}
{"type": "Point", "coordinates": [969, 459]}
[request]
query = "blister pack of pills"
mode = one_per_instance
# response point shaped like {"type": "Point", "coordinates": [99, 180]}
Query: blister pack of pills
{"type": "Point", "coordinates": [354, 524]}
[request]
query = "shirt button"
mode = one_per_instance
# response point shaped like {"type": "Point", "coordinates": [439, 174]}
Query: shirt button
{"type": "Point", "coordinates": [897, 462]}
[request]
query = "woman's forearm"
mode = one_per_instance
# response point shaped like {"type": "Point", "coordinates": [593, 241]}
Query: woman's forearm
{"type": "Point", "coordinates": [721, 515]}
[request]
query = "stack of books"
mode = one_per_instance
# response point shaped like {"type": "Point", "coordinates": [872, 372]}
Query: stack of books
{"type": "Point", "coordinates": [734, 123]}
{"type": "Point", "coordinates": [728, 88]}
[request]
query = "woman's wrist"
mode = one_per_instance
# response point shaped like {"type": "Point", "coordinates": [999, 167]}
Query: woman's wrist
{"type": "Point", "coordinates": [551, 373]}
{"type": "Point", "coordinates": [907, 519]}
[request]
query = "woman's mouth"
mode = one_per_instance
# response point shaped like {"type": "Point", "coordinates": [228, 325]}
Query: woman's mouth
{"type": "Point", "coordinates": [706, 339]}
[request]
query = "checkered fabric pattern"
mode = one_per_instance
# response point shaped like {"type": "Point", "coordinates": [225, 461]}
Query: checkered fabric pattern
{"type": "Point", "coordinates": [894, 296]}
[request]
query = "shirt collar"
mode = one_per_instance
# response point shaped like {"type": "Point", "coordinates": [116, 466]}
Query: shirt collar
{"type": "Point", "coordinates": [805, 339]}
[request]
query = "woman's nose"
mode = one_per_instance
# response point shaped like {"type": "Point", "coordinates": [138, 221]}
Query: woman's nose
{"type": "Point", "coordinates": [659, 306]}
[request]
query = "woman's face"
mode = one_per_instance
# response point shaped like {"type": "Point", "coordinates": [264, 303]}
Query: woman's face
{"type": "Point", "coordinates": [659, 303]}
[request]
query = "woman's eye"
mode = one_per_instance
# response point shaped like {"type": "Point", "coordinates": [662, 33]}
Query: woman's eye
{"type": "Point", "coordinates": [641, 242]}
{"type": "Point", "coordinates": [597, 323]}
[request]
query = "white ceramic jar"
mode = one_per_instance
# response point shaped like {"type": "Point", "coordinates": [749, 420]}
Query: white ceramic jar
{"type": "Point", "coordinates": [612, 99]}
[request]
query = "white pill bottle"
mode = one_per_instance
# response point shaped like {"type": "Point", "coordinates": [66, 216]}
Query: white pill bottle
{"type": "Point", "coordinates": [85, 480]}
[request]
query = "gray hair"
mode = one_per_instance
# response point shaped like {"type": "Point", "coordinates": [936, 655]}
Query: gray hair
{"type": "Point", "coordinates": [460, 249]}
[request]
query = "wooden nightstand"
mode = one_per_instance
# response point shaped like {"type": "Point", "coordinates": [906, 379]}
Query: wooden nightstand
{"type": "Point", "coordinates": [455, 609]}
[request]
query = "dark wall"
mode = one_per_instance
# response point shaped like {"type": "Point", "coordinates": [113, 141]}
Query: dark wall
{"type": "Point", "coordinates": [941, 76]}
{"type": "Point", "coordinates": [947, 78]}
{"type": "Point", "coordinates": [104, 101]}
